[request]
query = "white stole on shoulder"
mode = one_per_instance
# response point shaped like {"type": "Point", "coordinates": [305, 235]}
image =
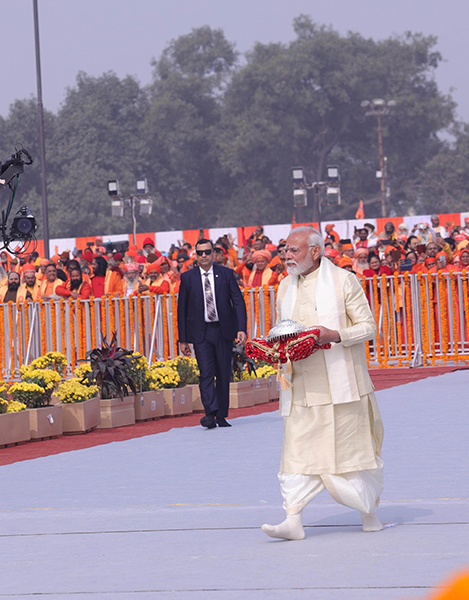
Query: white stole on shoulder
{"type": "Point", "coordinates": [330, 305]}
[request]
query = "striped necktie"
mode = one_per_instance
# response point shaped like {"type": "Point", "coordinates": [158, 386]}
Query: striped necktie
{"type": "Point", "coordinates": [209, 303]}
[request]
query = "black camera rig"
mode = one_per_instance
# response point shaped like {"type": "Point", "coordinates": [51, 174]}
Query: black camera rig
{"type": "Point", "coordinates": [19, 237]}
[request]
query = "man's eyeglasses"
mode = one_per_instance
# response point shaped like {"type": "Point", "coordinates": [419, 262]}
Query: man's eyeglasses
{"type": "Point", "coordinates": [294, 250]}
{"type": "Point", "coordinates": [202, 252]}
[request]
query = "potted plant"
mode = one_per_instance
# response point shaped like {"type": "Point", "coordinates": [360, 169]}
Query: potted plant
{"type": "Point", "coordinates": [14, 420]}
{"type": "Point", "coordinates": [177, 401]}
{"type": "Point", "coordinates": [149, 400]}
{"type": "Point", "coordinates": [47, 379]}
{"type": "Point", "coordinates": [55, 361]}
{"type": "Point", "coordinates": [188, 371]}
{"type": "Point", "coordinates": [44, 420]}
{"type": "Point", "coordinates": [111, 372]}
{"type": "Point", "coordinates": [81, 411]}
{"type": "Point", "coordinates": [241, 391]}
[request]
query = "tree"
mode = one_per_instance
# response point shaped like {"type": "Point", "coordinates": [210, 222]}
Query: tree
{"type": "Point", "coordinates": [185, 97]}
{"type": "Point", "coordinates": [442, 186]}
{"type": "Point", "coordinates": [299, 104]}
{"type": "Point", "coordinates": [98, 137]}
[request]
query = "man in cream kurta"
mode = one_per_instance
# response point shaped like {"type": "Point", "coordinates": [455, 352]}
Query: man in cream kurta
{"type": "Point", "coordinates": [332, 427]}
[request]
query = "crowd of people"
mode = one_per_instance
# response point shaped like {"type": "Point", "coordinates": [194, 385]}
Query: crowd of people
{"type": "Point", "coordinates": [99, 271]}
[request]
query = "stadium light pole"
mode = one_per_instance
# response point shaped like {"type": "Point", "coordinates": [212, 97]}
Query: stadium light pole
{"type": "Point", "coordinates": [42, 146]}
{"type": "Point", "coordinates": [379, 108]}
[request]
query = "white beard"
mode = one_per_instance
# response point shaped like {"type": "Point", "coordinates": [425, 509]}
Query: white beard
{"type": "Point", "coordinates": [300, 267]}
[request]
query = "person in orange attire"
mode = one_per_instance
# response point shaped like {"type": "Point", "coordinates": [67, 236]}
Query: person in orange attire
{"type": "Point", "coordinates": [389, 232]}
{"type": "Point", "coordinates": [260, 274]}
{"type": "Point", "coordinates": [279, 269]}
{"type": "Point", "coordinates": [360, 261]}
{"type": "Point", "coordinates": [331, 235]}
{"type": "Point", "coordinates": [361, 238]}
{"type": "Point", "coordinates": [131, 279]}
{"type": "Point", "coordinates": [15, 266]}
{"type": "Point", "coordinates": [155, 283]}
{"type": "Point", "coordinates": [244, 269]}
{"type": "Point", "coordinates": [183, 261]}
{"type": "Point", "coordinates": [417, 267]}
{"type": "Point", "coordinates": [41, 274]}
{"type": "Point", "coordinates": [347, 248]}
{"type": "Point", "coordinates": [50, 284]}
{"type": "Point", "coordinates": [75, 287]}
{"type": "Point", "coordinates": [168, 270]}
{"type": "Point", "coordinates": [346, 263]}
{"type": "Point", "coordinates": [331, 254]}
{"type": "Point", "coordinates": [30, 283]}
{"type": "Point", "coordinates": [12, 292]}
{"type": "Point", "coordinates": [228, 241]}
{"type": "Point", "coordinates": [220, 256]}
{"type": "Point", "coordinates": [74, 264]}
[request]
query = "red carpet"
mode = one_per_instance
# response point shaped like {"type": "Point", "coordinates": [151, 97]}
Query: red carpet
{"type": "Point", "coordinates": [382, 379]}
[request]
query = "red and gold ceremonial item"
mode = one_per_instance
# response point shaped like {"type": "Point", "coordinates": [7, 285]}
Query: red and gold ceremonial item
{"type": "Point", "coordinates": [287, 342]}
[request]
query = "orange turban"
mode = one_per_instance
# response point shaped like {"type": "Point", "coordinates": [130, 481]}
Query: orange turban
{"type": "Point", "coordinates": [153, 267]}
{"type": "Point", "coordinates": [29, 267]}
{"type": "Point", "coordinates": [262, 255]}
{"type": "Point", "coordinates": [361, 252]}
{"type": "Point", "coordinates": [331, 252]}
{"type": "Point", "coordinates": [164, 259]}
{"type": "Point", "coordinates": [347, 246]}
{"type": "Point", "coordinates": [132, 251]}
{"type": "Point", "coordinates": [345, 261]}
{"type": "Point", "coordinates": [329, 227]}
{"type": "Point", "coordinates": [44, 262]}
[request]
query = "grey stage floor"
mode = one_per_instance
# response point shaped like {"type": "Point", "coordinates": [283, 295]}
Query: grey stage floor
{"type": "Point", "coordinates": [178, 514]}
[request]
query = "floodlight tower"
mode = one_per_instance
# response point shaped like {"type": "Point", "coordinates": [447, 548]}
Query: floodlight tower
{"type": "Point", "coordinates": [117, 202]}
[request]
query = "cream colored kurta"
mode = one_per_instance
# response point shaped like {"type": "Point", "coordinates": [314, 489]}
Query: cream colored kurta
{"type": "Point", "coordinates": [320, 437]}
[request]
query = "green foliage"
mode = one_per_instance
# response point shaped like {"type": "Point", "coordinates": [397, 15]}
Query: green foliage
{"type": "Point", "coordinates": [216, 139]}
{"type": "Point", "coordinates": [30, 394]}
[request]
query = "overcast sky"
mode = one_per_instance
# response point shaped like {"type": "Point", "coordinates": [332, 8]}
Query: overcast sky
{"type": "Point", "coordinates": [96, 36]}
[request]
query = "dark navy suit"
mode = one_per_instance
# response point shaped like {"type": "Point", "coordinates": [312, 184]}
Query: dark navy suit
{"type": "Point", "coordinates": [213, 342]}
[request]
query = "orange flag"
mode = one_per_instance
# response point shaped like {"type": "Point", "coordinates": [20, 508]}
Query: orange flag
{"type": "Point", "coordinates": [360, 214]}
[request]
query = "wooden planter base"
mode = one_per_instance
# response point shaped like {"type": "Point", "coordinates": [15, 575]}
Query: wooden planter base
{"type": "Point", "coordinates": [242, 394]}
{"type": "Point", "coordinates": [81, 417]}
{"type": "Point", "coordinates": [149, 405]}
{"type": "Point", "coordinates": [261, 391]}
{"type": "Point", "coordinates": [197, 405]}
{"type": "Point", "coordinates": [274, 387]}
{"type": "Point", "coordinates": [45, 422]}
{"type": "Point", "coordinates": [177, 401]}
{"type": "Point", "coordinates": [117, 412]}
{"type": "Point", "coordinates": [14, 428]}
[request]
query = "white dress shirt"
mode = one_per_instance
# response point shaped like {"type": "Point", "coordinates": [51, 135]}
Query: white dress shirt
{"type": "Point", "coordinates": [211, 278]}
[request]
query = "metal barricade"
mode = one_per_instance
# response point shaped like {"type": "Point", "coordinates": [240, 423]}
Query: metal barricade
{"type": "Point", "coordinates": [422, 319]}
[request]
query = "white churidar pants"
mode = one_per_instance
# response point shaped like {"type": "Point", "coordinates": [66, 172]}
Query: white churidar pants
{"type": "Point", "coordinates": [359, 490]}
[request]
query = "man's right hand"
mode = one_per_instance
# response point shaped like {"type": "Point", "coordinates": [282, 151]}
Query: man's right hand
{"type": "Point", "coordinates": [184, 348]}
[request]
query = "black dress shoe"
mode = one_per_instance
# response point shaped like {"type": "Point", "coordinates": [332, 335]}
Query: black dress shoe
{"type": "Point", "coordinates": [222, 422]}
{"type": "Point", "coordinates": [208, 421]}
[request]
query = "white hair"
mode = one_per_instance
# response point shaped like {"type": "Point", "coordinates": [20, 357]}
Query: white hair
{"type": "Point", "coordinates": [314, 237]}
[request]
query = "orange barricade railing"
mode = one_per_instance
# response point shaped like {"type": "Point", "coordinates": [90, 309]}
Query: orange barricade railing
{"type": "Point", "coordinates": [421, 319]}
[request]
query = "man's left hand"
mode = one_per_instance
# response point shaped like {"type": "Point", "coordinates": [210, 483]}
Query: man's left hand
{"type": "Point", "coordinates": [327, 336]}
{"type": "Point", "coordinates": [241, 337]}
